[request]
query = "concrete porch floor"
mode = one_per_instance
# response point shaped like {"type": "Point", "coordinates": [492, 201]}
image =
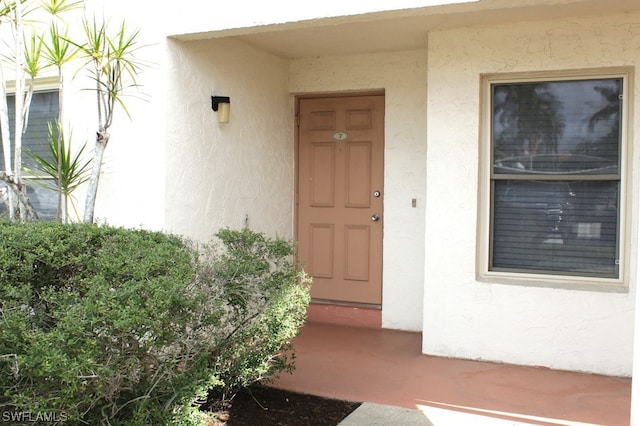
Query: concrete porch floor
{"type": "Point", "coordinates": [387, 367]}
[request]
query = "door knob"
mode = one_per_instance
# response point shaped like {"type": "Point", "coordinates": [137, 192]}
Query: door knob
{"type": "Point", "coordinates": [375, 217]}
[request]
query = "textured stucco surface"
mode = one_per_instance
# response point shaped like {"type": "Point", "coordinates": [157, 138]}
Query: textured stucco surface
{"type": "Point", "coordinates": [402, 75]}
{"type": "Point", "coordinates": [221, 174]}
{"type": "Point", "coordinates": [563, 329]}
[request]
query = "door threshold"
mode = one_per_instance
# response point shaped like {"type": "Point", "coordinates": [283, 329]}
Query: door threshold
{"type": "Point", "coordinates": [345, 314]}
{"type": "Point", "coordinates": [345, 303]}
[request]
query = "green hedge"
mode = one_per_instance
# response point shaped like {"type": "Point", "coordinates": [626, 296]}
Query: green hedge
{"type": "Point", "coordinates": [113, 326]}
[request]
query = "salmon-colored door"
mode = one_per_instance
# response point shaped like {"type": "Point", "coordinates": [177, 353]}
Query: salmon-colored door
{"type": "Point", "coordinates": [340, 177]}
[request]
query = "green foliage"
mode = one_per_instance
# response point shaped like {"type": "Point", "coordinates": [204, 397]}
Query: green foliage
{"type": "Point", "coordinates": [56, 7]}
{"type": "Point", "coordinates": [90, 316]}
{"type": "Point", "coordinates": [116, 326]}
{"type": "Point", "coordinates": [111, 60]}
{"type": "Point", "coordinates": [68, 170]}
{"type": "Point", "coordinates": [58, 49]}
{"type": "Point", "coordinates": [266, 299]}
{"type": "Point", "coordinates": [32, 52]}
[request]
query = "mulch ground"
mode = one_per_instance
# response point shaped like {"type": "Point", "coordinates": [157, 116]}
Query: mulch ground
{"type": "Point", "coordinates": [266, 406]}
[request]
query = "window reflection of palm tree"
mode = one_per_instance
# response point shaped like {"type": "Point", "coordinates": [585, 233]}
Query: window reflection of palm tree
{"type": "Point", "coordinates": [608, 115]}
{"type": "Point", "coordinates": [531, 120]}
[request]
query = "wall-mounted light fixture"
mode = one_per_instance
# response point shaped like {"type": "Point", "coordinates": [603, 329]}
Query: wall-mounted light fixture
{"type": "Point", "coordinates": [222, 105]}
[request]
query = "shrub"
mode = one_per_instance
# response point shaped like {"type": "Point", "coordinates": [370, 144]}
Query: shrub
{"type": "Point", "coordinates": [265, 305]}
{"type": "Point", "coordinates": [112, 326]}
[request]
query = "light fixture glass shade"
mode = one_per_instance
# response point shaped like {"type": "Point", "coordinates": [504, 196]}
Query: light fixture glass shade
{"type": "Point", "coordinates": [224, 109]}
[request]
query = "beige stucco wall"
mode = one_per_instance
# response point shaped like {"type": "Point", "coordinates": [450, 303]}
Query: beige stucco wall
{"type": "Point", "coordinates": [563, 329]}
{"type": "Point", "coordinates": [402, 75]}
{"type": "Point", "coordinates": [220, 174]}
{"type": "Point", "coordinates": [174, 167]}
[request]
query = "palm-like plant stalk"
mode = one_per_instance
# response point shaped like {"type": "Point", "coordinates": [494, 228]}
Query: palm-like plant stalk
{"type": "Point", "coordinates": [19, 100]}
{"type": "Point", "coordinates": [6, 142]}
{"type": "Point", "coordinates": [59, 51]}
{"type": "Point", "coordinates": [113, 70]}
{"type": "Point", "coordinates": [32, 67]}
{"type": "Point", "coordinates": [25, 62]}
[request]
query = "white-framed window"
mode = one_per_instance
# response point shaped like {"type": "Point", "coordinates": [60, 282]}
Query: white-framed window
{"type": "Point", "coordinates": [553, 178]}
{"type": "Point", "coordinates": [44, 109]}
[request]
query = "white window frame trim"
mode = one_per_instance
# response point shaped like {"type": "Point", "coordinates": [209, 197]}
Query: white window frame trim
{"type": "Point", "coordinates": [40, 84]}
{"type": "Point", "coordinates": [571, 282]}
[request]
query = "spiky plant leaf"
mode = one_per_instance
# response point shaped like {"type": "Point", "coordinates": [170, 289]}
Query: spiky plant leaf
{"type": "Point", "coordinates": [74, 170]}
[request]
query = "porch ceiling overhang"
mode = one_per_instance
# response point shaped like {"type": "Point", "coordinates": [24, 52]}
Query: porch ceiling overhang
{"type": "Point", "coordinates": [400, 29]}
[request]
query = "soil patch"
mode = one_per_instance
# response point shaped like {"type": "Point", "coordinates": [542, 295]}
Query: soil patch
{"type": "Point", "coordinates": [267, 406]}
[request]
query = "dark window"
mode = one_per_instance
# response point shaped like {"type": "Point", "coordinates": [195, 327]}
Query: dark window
{"type": "Point", "coordinates": [555, 178]}
{"type": "Point", "coordinates": [43, 110]}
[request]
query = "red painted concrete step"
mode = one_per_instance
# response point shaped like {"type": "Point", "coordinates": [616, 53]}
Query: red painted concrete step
{"type": "Point", "coordinates": [387, 367]}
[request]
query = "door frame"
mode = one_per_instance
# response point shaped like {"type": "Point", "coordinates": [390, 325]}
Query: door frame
{"type": "Point", "coordinates": [314, 95]}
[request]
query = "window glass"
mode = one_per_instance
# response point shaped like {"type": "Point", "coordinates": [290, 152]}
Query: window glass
{"type": "Point", "coordinates": [43, 198]}
{"type": "Point", "coordinates": [555, 183]}
{"type": "Point", "coordinates": [43, 110]}
{"type": "Point", "coordinates": [565, 127]}
{"type": "Point", "coordinates": [556, 226]}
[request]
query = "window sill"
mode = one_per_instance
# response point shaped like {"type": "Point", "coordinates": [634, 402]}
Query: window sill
{"type": "Point", "coordinates": [561, 282]}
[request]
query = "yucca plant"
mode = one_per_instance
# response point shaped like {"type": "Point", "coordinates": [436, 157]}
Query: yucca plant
{"type": "Point", "coordinates": [109, 56]}
{"type": "Point", "coordinates": [114, 69]}
{"type": "Point", "coordinates": [31, 53]}
{"type": "Point", "coordinates": [58, 51]}
{"type": "Point", "coordinates": [67, 169]}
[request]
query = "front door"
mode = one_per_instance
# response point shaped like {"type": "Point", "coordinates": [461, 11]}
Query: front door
{"type": "Point", "coordinates": [340, 192]}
